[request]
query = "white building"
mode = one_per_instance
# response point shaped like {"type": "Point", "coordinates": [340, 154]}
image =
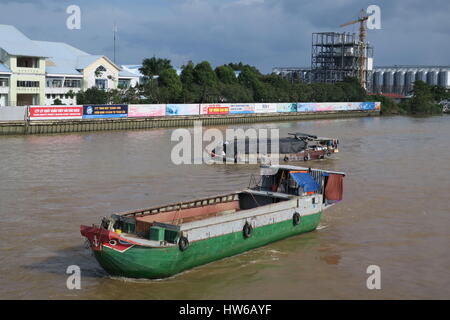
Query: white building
{"type": "Point", "coordinates": [39, 72]}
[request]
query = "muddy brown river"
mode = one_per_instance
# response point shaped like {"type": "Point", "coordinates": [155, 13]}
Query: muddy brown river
{"type": "Point", "coordinates": [395, 214]}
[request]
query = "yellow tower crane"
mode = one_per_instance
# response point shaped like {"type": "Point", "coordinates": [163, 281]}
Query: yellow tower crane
{"type": "Point", "coordinates": [362, 46]}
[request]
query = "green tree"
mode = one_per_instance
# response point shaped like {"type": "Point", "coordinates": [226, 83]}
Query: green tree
{"type": "Point", "coordinates": [351, 90]}
{"type": "Point", "coordinates": [187, 74]}
{"type": "Point", "coordinates": [92, 96]}
{"type": "Point", "coordinates": [154, 66]}
{"type": "Point", "coordinates": [204, 75]}
{"type": "Point", "coordinates": [170, 86]}
{"type": "Point", "coordinates": [206, 79]}
{"type": "Point", "coordinates": [422, 101]}
{"type": "Point", "coordinates": [301, 92]}
{"type": "Point", "coordinates": [226, 74]}
{"type": "Point", "coordinates": [57, 102]}
{"type": "Point", "coordinates": [440, 93]}
{"type": "Point", "coordinates": [388, 106]}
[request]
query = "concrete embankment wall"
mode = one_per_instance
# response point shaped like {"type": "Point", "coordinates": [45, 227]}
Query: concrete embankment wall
{"type": "Point", "coordinates": [83, 125]}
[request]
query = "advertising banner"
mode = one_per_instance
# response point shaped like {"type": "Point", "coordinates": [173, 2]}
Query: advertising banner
{"type": "Point", "coordinates": [334, 106]}
{"type": "Point", "coordinates": [265, 107]}
{"type": "Point", "coordinates": [241, 108]}
{"type": "Point", "coordinates": [146, 110]}
{"type": "Point", "coordinates": [182, 109]}
{"type": "Point", "coordinates": [215, 108]}
{"type": "Point", "coordinates": [55, 112]}
{"type": "Point", "coordinates": [286, 107]}
{"type": "Point", "coordinates": [105, 111]}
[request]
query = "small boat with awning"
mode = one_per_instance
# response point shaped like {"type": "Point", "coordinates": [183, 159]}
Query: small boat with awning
{"type": "Point", "coordinates": [162, 241]}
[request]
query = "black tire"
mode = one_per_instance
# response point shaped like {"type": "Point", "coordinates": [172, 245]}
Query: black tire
{"type": "Point", "coordinates": [328, 154]}
{"type": "Point", "coordinates": [286, 159]}
{"type": "Point", "coordinates": [183, 243]}
{"type": "Point", "coordinates": [247, 231]}
{"type": "Point", "coordinates": [306, 158]}
{"type": "Point", "coordinates": [296, 219]}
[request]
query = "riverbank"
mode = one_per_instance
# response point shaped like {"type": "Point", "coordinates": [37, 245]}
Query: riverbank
{"type": "Point", "coordinates": [83, 125]}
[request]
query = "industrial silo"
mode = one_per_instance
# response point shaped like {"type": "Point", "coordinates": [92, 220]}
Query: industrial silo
{"type": "Point", "coordinates": [399, 81]}
{"type": "Point", "coordinates": [432, 76]}
{"type": "Point", "coordinates": [421, 75]}
{"type": "Point", "coordinates": [410, 77]}
{"type": "Point", "coordinates": [444, 78]}
{"type": "Point", "coordinates": [377, 81]}
{"type": "Point", "coordinates": [388, 81]}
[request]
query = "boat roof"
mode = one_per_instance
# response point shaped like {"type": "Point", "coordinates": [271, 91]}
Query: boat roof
{"type": "Point", "coordinates": [294, 168]}
{"type": "Point", "coordinates": [307, 135]}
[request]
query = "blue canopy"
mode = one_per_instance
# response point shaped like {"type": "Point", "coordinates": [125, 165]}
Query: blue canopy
{"type": "Point", "coordinates": [306, 181]}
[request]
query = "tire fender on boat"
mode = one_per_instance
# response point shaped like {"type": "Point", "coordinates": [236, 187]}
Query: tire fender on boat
{"type": "Point", "coordinates": [296, 219]}
{"type": "Point", "coordinates": [247, 230]}
{"type": "Point", "coordinates": [183, 243]}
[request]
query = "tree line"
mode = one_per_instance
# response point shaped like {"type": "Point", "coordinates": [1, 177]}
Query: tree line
{"type": "Point", "coordinates": [238, 82]}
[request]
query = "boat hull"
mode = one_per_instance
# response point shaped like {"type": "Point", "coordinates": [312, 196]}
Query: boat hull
{"type": "Point", "coordinates": [152, 262]}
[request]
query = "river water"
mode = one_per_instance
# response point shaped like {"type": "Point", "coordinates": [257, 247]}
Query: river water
{"type": "Point", "coordinates": [395, 214]}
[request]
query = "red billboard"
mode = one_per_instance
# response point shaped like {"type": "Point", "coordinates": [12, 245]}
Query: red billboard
{"type": "Point", "coordinates": [55, 112]}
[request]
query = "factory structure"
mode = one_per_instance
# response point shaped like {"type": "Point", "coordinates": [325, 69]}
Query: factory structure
{"type": "Point", "coordinates": [335, 56]}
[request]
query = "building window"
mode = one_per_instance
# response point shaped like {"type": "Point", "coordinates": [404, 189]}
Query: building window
{"type": "Point", "coordinates": [48, 96]}
{"type": "Point", "coordinates": [101, 83]}
{"type": "Point", "coordinates": [124, 83]}
{"type": "Point", "coordinates": [27, 62]}
{"type": "Point", "coordinates": [4, 82]}
{"type": "Point", "coordinates": [54, 83]}
{"type": "Point", "coordinates": [28, 84]}
{"type": "Point", "coordinates": [72, 83]}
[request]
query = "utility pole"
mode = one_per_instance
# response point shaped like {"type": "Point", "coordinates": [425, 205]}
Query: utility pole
{"type": "Point", "coordinates": [115, 31]}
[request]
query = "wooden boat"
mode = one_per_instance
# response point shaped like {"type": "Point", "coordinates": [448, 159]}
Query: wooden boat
{"type": "Point", "coordinates": [296, 147]}
{"type": "Point", "coordinates": [162, 241]}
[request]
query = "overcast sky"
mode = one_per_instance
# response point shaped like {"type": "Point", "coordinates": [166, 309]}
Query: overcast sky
{"type": "Point", "coordinates": [263, 33]}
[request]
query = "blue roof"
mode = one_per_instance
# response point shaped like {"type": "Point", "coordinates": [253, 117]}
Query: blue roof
{"type": "Point", "coordinates": [15, 43]}
{"type": "Point", "coordinates": [305, 181]}
{"type": "Point", "coordinates": [63, 58]}
{"type": "Point", "coordinates": [124, 73]}
{"type": "Point", "coordinates": [86, 60]}
{"type": "Point", "coordinates": [4, 68]}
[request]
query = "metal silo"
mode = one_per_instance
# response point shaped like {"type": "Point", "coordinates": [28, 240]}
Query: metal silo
{"type": "Point", "coordinates": [388, 81]}
{"type": "Point", "coordinates": [377, 81]}
{"type": "Point", "coordinates": [421, 75]}
{"type": "Point", "coordinates": [399, 81]}
{"type": "Point", "coordinates": [410, 77]}
{"type": "Point", "coordinates": [432, 77]}
{"type": "Point", "coordinates": [443, 79]}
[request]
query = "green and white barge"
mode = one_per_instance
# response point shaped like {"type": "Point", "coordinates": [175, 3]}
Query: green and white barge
{"type": "Point", "coordinates": [162, 241]}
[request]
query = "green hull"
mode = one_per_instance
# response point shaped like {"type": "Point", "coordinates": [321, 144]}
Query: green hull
{"type": "Point", "coordinates": [145, 262]}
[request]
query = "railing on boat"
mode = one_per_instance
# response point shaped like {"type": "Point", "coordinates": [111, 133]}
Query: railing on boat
{"type": "Point", "coordinates": [183, 205]}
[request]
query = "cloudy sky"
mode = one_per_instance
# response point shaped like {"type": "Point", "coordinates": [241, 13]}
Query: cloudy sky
{"type": "Point", "coordinates": [264, 33]}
